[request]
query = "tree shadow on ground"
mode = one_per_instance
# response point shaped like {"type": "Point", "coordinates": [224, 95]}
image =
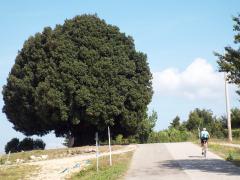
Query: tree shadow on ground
{"type": "Point", "coordinates": [205, 165]}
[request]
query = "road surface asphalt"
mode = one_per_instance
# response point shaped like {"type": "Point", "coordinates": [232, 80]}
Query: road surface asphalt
{"type": "Point", "coordinates": [178, 161]}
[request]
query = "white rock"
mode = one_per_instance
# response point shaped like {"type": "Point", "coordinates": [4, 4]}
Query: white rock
{"type": "Point", "coordinates": [33, 157]}
{"type": "Point", "coordinates": [44, 157]}
{"type": "Point", "coordinates": [19, 160]}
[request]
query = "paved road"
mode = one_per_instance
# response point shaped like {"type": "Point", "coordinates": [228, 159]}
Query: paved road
{"type": "Point", "coordinates": [178, 161]}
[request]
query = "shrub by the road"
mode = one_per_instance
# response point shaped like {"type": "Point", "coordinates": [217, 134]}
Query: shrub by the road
{"type": "Point", "coordinates": [27, 144]}
{"type": "Point", "coordinates": [170, 135]}
{"type": "Point", "coordinates": [12, 145]}
{"type": "Point", "coordinates": [38, 144]}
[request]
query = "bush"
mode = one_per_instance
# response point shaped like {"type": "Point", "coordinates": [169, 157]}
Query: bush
{"type": "Point", "coordinates": [236, 133]}
{"type": "Point", "coordinates": [158, 137]}
{"type": "Point", "coordinates": [229, 157]}
{"type": "Point", "coordinates": [12, 145]}
{"type": "Point", "coordinates": [170, 135]}
{"type": "Point", "coordinates": [39, 144]}
{"type": "Point", "coordinates": [26, 144]}
{"type": "Point", "coordinates": [132, 140]}
{"type": "Point", "coordinates": [119, 139]}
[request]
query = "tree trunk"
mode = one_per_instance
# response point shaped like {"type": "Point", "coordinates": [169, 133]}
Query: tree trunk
{"type": "Point", "coordinates": [70, 141]}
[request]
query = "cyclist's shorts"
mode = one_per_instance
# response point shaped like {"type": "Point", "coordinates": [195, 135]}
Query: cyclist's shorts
{"type": "Point", "coordinates": [203, 139]}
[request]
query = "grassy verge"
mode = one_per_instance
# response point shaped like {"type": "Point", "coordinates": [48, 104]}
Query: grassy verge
{"type": "Point", "coordinates": [234, 141]}
{"type": "Point", "coordinates": [116, 171]}
{"type": "Point", "coordinates": [229, 153]}
{"type": "Point", "coordinates": [17, 172]}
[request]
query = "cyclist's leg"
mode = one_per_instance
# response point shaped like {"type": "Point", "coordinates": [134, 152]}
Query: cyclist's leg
{"type": "Point", "coordinates": [202, 142]}
{"type": "Point", "coordinates": [206, 142]}
{"type": "Point", "coordinates": [202, 145]}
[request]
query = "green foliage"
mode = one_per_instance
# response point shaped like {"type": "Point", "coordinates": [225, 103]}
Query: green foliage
{"type": "Point", "coordinates": [188, 130]}
{"type": "Point", "coordinates": [229, 157]}
{"type": "Point", "coordinates": [12, 145]}
{"type": "Point", "coordinates": [119, 139]}
{"type": "Point", "coordinates": [38, 144]}
{"type": "Point", "coordinates": [158, 137]}
{"type": "Point", "coordinates": [26, 144]}
{"type": "Point", "coordinates": [146, 127]}
{"type": "Point", "coordinates": [169, 135]}
{"type": "Point", "coordinates": [175, 123]}
{"type": "Point", "coordinates": [132, 140]}
{"type": "Point", "coordinates": [200, 118]}
{"type": "Point", "coordinates": [235, 133]}
{"type": "Point", "coordinates": [230, 61]}
{"type": "Point", "coordinates": [79, 77]}
{"type": "Point", "coordinates": [235, 118]}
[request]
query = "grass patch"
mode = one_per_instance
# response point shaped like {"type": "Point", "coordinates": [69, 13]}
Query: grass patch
{"type": "Point", "coordinates": [231, 154]}
{"type": "Point", "coordinates": [116, 171]}
{"type": "Point", "coordinates": [224, 140]}
{"type": "Point", "coordinates": [17, 172]}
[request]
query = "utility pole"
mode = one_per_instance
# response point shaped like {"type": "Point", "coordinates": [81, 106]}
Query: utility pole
{"type": "Point", "coordinates": [228, 109]}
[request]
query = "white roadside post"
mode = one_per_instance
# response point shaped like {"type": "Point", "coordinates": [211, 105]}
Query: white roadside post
{"type": "Point", "coordinates": [109, 144]}
{"type": "Point", "coordinates": [228, 109]}
{"type": "Point", "coordinates": [96, 138]}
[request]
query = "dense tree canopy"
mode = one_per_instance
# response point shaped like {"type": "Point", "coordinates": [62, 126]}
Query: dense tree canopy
{"type": "Point", "coordinates": [76, 79]}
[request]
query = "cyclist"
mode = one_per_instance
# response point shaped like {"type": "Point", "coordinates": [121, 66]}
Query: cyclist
{"type": "Point", "coordinates": [204, 135]}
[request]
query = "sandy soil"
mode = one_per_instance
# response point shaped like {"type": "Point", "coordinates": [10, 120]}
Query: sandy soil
{"type": "Point", "coordinates": [63, 167]}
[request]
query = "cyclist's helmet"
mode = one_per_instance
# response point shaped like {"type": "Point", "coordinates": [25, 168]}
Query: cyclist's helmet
{"type": "Point", "coordinates": [204, 129]}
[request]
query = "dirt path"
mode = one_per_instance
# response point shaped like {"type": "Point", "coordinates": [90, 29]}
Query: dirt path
{"type": "Point", "coordinates": [60, 168]}
{"type": "Point", "coordinates": [179, 161]}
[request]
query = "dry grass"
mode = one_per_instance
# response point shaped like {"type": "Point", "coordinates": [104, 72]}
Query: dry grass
{"type": "Point", "coordinates": [54, 153]}
{"type": "Point", "coordinates": [235, 141]}
{"type": "Point", "coordinates": [229, 153]}
{"type": "Point", "coordinates": [17, 172]}
{"type": "Point", "coordinates": [116, 171]}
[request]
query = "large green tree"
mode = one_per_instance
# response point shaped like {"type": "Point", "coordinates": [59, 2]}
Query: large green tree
{"type": "Point", "coordinates": [230, 61]}
{"type": "Point", "coordinates": [76, 79]}
{"type": "Point", "coordinates": [199, 118]}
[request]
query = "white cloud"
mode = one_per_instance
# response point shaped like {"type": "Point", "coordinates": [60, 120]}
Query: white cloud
{"type": "Point", "coordinates": [198, 81]}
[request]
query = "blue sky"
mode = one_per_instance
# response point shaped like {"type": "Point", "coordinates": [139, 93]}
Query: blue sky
{"type": "Point", "coordinates": [179, 38]}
